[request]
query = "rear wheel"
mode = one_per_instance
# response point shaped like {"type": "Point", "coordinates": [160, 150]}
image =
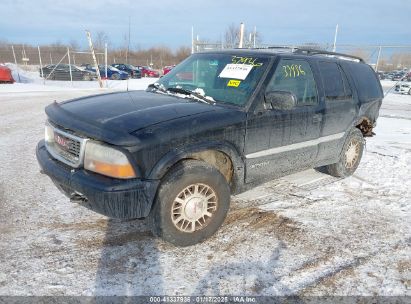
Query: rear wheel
{"type": "Point", "coordinates": [409, 92]}
{"type": "Point", "coordinates": [191, 204]}
{"type": "Point", "coordinates": [350, 157]}
{"type": "Point", "coordinates": [115, 76]}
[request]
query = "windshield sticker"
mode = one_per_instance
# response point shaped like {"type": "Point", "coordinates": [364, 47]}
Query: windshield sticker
{"type": "Point", "coordinates": [293, 71]}
{"type": "Point", "coordinates": [246, 60]}
{"type": "Point", "coordinates": [233, 83]}
{"type": "Point", "coordinates": [213, 62]}
{"type": "Point", "coordinates": [236, 71]}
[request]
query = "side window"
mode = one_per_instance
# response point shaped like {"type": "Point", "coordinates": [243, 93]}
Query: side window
{"type": "Point", "coordinates": [295, 76]}
{"type": "Point", "coordinates": [335, 83]}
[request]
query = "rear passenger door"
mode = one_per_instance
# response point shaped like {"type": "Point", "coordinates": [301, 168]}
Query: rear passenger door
{"type": "Point", "coordinates": [290, 136]}
{"type": "Point", "coordinates": [340, 108]}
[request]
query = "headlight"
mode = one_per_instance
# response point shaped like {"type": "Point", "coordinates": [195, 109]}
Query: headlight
{"type": "Point", "coordinates": [48, 134]}
{"type": "Point", "coordinates": [107, 161]}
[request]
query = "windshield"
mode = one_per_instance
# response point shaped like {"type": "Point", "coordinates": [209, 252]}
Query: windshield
{"type": "Point", "coordinates": [223, 77]}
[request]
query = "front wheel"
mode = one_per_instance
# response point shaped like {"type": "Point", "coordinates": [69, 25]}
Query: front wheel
{"type": "Point", "coordinates": [191, 204]}
{"type": "Point", "coordinates": [350, 157]}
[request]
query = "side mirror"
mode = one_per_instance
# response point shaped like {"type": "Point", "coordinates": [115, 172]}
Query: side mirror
{"type": "Point", "coordinates": [281, 100]}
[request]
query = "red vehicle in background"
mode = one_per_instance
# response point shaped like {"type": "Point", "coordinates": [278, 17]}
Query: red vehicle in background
{"type": "Point", "coordinates": [167, 69]}
{"type": "Point", "coordinates": [148, 72]}
{"type": "Point", "coordinates": [5, 75]}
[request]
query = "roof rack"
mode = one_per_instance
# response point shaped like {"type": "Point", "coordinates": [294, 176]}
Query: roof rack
{"type": "Point", "coordinates": [311, 51]}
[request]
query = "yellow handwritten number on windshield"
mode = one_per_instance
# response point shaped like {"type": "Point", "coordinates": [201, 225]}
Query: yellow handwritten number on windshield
{"type": "Point", "coordinates": [246, 60]}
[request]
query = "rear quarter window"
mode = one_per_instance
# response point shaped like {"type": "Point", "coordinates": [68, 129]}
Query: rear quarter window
{"type": "Point", "coordinates": [335, 83]}
{"type": "Point", "coordinates": [366, 82]}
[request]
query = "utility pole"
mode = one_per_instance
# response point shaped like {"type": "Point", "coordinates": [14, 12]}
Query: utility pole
{"type": "Point", "coordinates": [128, 44]}
{"type": "Point", "coordinates": [90, 42]}
{"type": "Point", "coordinates": [255, 34]}
{"type": "Point", "coordinates": [105, 62]}
{"type": "Point", "coordinates": [192, 39]}
{"type": "Point", "coordinates": [335, 39]}
{"type": "Point", "coordinates": [71, 74]}
{"type": "Point", "coordinates": [378, 59]}
{"type": "Point", "coordinates": [15, 62]}
{"type": "Point", "coordinates": [41, 65]}
{"type": "Point", "coordinates": [240, 44]}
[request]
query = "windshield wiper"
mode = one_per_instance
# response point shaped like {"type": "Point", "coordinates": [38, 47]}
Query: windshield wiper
{"type": "Point", "coordinates": [191, 93]}
{"type": "Point", "coordinates": [157, 87]}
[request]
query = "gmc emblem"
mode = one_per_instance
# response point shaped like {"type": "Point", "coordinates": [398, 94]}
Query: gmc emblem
{"type": "Point", "coordinates": [61, 141]}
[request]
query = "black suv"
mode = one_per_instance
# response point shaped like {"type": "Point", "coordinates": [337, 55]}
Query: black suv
{"type": "Point", "coordinates": [217, 124]}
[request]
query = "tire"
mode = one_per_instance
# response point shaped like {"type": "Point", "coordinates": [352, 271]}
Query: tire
{"type": "Point", "coordinates": [350, 155]}
{"type": "Point", "coordinates": [115, 76]}
{"type": "Point", "coordinates": [409, 92]}
{"type": "Point", "coordinates": [181, 214]}
{"type": "Point", "coordinates": [86, 77]}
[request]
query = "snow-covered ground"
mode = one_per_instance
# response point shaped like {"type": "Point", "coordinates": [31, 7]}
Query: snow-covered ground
{"type": "Point", "coordinates": [305, 234]}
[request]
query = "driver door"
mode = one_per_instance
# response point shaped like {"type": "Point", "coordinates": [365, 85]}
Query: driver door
{"type": "Point", "coordinates": [279, 141]}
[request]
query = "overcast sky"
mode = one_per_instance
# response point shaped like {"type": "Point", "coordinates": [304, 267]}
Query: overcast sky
{"type": "Point", "coordinates": [169, 23]}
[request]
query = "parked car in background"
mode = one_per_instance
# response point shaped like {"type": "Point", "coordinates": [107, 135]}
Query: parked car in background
{"type": "Point", "coordinates": [148, 72]}
{"type": "Point", "coordinates": [403, 88]}
{"type": "Point", "coordinates": [62, 72]}
{"type": "Point", "coordinates": [398, 76]}
{"type": "Point", "coordinates": [5, 75]}
{"type": "Point", "coordinates": [381, 75]}
{"type": "Point", "coordinates": [167, 69]}
{"type": "Point", "coordinates": [112, 72]}
{"type": "Point", "coordinates": [130, 69]}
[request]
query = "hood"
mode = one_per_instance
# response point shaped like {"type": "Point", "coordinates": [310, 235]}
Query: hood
{"type": "Point", "coordinates": [115, 115]}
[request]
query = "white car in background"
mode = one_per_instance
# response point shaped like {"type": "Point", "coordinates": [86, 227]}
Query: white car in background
{"type": "Point", "coordinates": [403, 88]}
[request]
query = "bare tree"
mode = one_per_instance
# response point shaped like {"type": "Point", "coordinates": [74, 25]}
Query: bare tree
{"type": "Point", "coordinates": [401, 60]}
{"type": "Point", "coordinates": [182, 53]}
{"type": "Point", "coordinates": [360, 53]}
{"type": "Point", "coordinates": [73, 44]}
{"type": "Point", "coordinates": [232, 37]}
{"type": "Point", "coordinates": [100, 39]}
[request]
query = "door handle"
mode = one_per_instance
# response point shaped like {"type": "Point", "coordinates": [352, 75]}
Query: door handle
{"type": "Point", "coordinates": [317, 118]}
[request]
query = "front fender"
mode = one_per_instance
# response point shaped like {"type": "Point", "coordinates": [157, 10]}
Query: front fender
{"type": "Point", "coordinates": [187, 152]}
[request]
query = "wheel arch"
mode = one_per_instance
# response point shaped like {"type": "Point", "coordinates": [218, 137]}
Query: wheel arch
{"type": "Point", "coordinates": [223, 156]}
{"type": "Point", "coordinates": [367, 116]}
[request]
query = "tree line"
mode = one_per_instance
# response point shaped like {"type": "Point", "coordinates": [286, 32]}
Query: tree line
{"type": "Point", "coordinates": [157, 56]}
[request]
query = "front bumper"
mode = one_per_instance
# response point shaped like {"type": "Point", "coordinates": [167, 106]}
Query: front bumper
{"type": "Point", "coordinates": [116, 198]}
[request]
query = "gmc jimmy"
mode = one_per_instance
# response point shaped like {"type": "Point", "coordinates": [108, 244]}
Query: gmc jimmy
{"type": "Point", "coordinates": [217, 124]}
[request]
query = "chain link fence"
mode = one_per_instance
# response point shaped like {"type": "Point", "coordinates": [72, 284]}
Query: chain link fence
{"type": "Point", "coordinates": [25, 55]}
{"type": "Point", "coordinates": [388, 57]}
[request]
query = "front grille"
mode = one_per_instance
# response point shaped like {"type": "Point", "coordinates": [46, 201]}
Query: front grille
{"type": "Point", "coordinates": [65, 147]}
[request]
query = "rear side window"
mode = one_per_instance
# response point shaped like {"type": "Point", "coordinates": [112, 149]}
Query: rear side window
{"type": "Point", "coordinates": [295, 76]}
{"type": "Point", "coordinates": [335, 83]}
{"type": "Point", "coordinates": [365, 80]}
